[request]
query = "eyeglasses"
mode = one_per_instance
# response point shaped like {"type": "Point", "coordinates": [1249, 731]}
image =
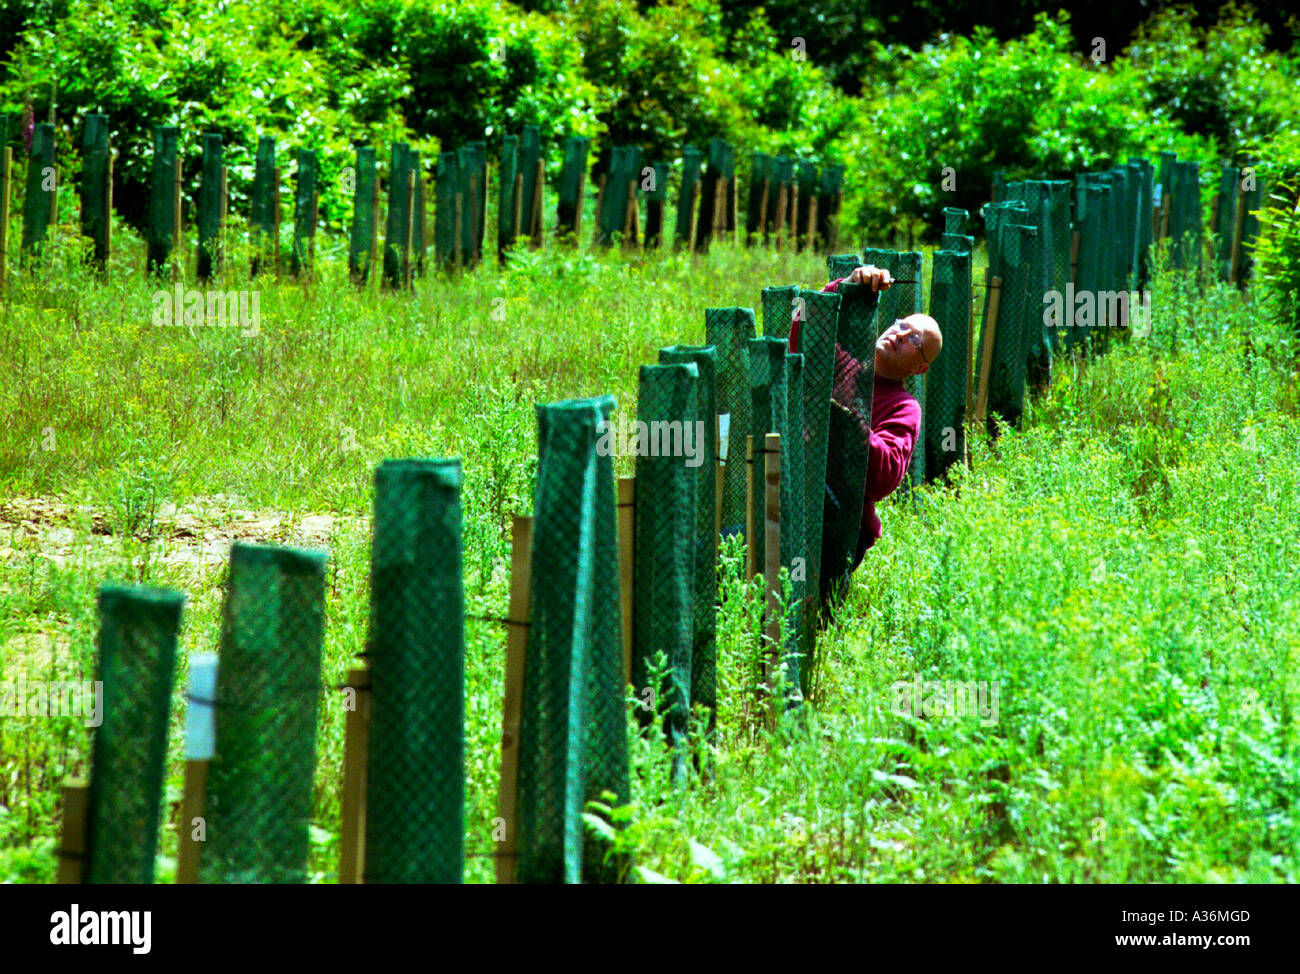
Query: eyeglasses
{"type": "Point", "coordinates": [914, 338]}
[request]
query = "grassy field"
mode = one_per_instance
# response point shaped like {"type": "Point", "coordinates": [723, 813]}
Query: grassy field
{"type": "Point", "coordinates": [1122, 569]}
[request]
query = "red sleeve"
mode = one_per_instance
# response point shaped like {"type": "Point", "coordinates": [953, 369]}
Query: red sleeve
{"type": "Point", "coordinates": [794, 323]}
{"type": "Point", "coordinates": [893, 437]}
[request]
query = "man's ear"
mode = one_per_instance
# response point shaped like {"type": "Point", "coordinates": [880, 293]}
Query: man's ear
{"type": "Point", "coordinates": [924, 368]}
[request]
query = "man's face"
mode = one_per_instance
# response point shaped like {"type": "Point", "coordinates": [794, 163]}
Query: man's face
{"type": "Point", "coordinates": [908, 346]}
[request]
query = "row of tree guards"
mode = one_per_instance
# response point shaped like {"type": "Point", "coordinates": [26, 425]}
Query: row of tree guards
{"type": "Point", "coordinates": [612, 583]}
{"type": "Point", "coordinates": [791, 202]}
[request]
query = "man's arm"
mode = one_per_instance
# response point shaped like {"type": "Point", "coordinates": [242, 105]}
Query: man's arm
{"type": "Point", "coordinates": [893, 437]}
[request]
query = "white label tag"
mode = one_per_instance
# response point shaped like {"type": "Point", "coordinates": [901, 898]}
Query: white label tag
{"type": "Point", "coordinates": [201, 708]}
{"type": "Point", "coordinates": [724, 427]}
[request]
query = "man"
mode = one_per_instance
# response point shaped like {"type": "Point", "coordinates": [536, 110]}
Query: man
{"type": "Point", "coordinates": [907, 347]}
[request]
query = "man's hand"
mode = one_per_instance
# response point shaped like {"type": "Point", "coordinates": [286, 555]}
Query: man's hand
{"type": "Point", "coordinates": [876, 277]}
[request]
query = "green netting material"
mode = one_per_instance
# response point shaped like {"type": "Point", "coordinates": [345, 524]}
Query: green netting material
{"type": "Point", "coordinates": [704, 649]}
{"type": "Point", "coordinates": [162, 197]}
{"type": "Point", "coordinates": [573, 743]}
{"type": "Point", "coordinates": [1081, 322]}
{"type": "Point", "coordinates": [530, 152]}
{"type": "Point", "coordinates": [1036, 195]}
{"type": "Point", "coordinates": [137, 657]}
{"type": "Point", "coordinates": [362, 237]}
{"type": "Point", "coordinates": [945, 382]}
{"type": "Point", "coordinates": [691, 175]}
{"type": "Point", "coordinates": [848, 435]}
{"type": "Point", "coordinates": [839, 266]}
{"type": "Point", "coordinates": [1006, 389]}
{"type": "Point", "coordinates": [576, 149]}
{"type": "Point", "coordinates": [396, 255]}
{"type": "Point", "coordinates": [828, 188]}
{"type": "Point", "coordinates": [956, 242]}
{"type": "Point", "coordinates": [506, 194]}
{"type": "Point", "coordinates": [624, 166]}
{"type": "Point", "coordinates": [263, 199]}
{"type": "Point", "coordinates": [820, 312]}
{"type": "Point", "coordinates": [38, 205]}
{"type": "Point", "coordinates": [666, 524]}
{"type": "Point", "coordinates": [728, 330]}
{"type": "Point", "coordinates": [1225, 219]}
{"type": "Point", "coordinates": [94, 185]}
{"type": "Point", "coordinates": [207, 260]}
{"type": "Point", "coordinates": [304, 210]}
{"type": "Point", "coordinates": [901, 300]}
{"type": "Point", "coordinates": [778, 310]}
{"type": "Point", "coordinates": [1253, 202]}
{"type": "Point", "coordinates": [709, 189]}
{"type": "Point", "coordinates": [268, 692]}
{"type": "Point", "coordinates": [955, 220]}
{"type": "Point", "coordinates": [1143, 173]}
{"type": "Point", "coordinates": [415, 795]}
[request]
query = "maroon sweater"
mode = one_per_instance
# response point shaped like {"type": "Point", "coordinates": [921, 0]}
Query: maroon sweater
{"type": "Point", "coordinates": [895, 427]}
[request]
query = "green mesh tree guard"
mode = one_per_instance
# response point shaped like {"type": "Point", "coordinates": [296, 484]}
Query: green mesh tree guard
{"type": "Point", "coordinates": [839, 266]}
{"type": "Point", "coordinates": [1185, 216]}
{"type": "Point", "coordinates": [704, 649]}
{"type": "Point", "coordinates": [446, 186]}
{"type": "Point", "coordinates": [415, 793]}
{"type": "Point", "coordinates": [728, 330]}
{"type": "Point", "coordinates": [469, 179]}
{"type": "Point", "coordinates": [900, 301]}
{"type": "Point", "coordinates": [572, 180]}
{"type": "Point", "coordinates": [691, 176]}
{"type": "Point", "coordinates": [162, 198]}
{"type": "Point", "coordinates": [209, 220]}
{"type": "Point", "coordinates": [137, 661]}
{"type": "Point", "coordinates": [946, 381]}
{"type": "Point", "coordinates": [418, 227]}
{"type": "Point", "coordinates": [778, 310]}
{"type": "Point", "coordinates": [729, 171]}
{"type": "Point", "coordinates": [820, 312]}
{"type": "Point", "coordinates": [1081, 320]}
{"type": "Point", "coordinates": [828, 189]}
{"type": "Point", "coordinates": [656, 204]}
{"type": "Point", "coordinates": [268, 693]}
{"type": "Point", "coordinates": [1252, 201]}
{"type": "Point", "coordinates": [362, 238]}
{"type": "Point", "coordinates": [38, 205]}
{"type": "Point", "coordinates": [1225, 221]}
{"type": "Point", "coordinates": [709, 189]}
{"type": "Point", "coordinates": [770, 395]}
{"type": "Point", "coordinates": [955, 220]}
{"type": "Point", "coordinates": [1144, 175]}
{"type": "Point", "coordinates": [94, 185]}
{"type": "Point", "coordinates": [1058, 249]}
{"type": "Point", "coordinates": [807, 181]}
{"type": "Point", "coordinates": [1037, 196]}
{"type": "Point", "coordinates": [263, 197]}
{"type": "Point", "coordinates": [1011, 259]}
{"type": "Point", "coordinates": [666, 524]}
{"type": "Point", "coordinates": [304, 211]}
{"type": "Point", "coordinates": [476, 191]}
{"type": "Point", "coordinates": [624, 165]}
{"type": "Point", "coordinates": [956, 242]}
{"type": "Point", "coordinates": [573, 743]}
{"type": "Point", "coordinates": [506, 194]}
{"type": "Point", "coordinates": [396, 253]}
{"type": "Point", "coordinates": [530, 153]}
{"type": "Point", "coordinates": [848, 435]}
{"type": "Point", "coordinates": [998, 192]}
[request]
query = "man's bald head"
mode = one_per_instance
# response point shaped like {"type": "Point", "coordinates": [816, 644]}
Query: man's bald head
{"type": "Point", "coordinates": [908, 347]}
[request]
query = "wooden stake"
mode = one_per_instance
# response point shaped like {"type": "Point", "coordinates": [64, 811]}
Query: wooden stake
{"type": "Point", "coordinates": [311, 236]}
{"type": "Point", "coordinates": [512, 708]}
{"type": "Point", "coordinates": [762, 212]}
{"type": "Point", "coordinates": [577, 213]}
{"type": "Point", "coordinates": [751, 539]}
{"type": "Point", "coordinates": [275, 219]}
{"type": "Point", "coordinates": [376, 268]}
{"type": "Point", "coordinates": [538, 187]}
{"type": "Point", "coordinates": [1074, 256]}
{"type": "Point", "coordinates": [409, 235]}
{"type": "Point", "coordinates": [600, 197]}
{"type": "Point", "coordinates": [986, 360]}
{"type": "Point", "coordinates": [772, 551]}
{"type": "Point", "coordinates": [1164, 215]}
{"type": "Point", "coordinates": [6, 168]}
{"type": "Point", "coordinates": [456, 252]}
{"type": "Point", "coordinates": [474, 254]}
{"type": "Point", "coordinates": [72, 850]}
{"type": "Point", "coordinates": [356, 758]}
{"type": "Point", "coordinates": [717, 483]}
{"type": "Point", "coordinates": [108, 212]}
{"type": "Point", "coordinates": [178, 251]}
{"type": "Point", "coordinates": [835, 220]}
{"type": "Point", "coordinates": [626, 554]}
{"type": "Point", "coordinates": [194, 805]}
{"type": "Point", "coordinates": [780, 217]}
{"type": "Point", "coordinates": [1238, 228]}
{"type": "Point", "coordinates": [695, 214]}
{"type": "Point", "coordinates": [630, 217]}
{"type": "Point", "coordinates": [811, 242]}
{"type": "Point", "coordinates": [519, 204]}
{"type": "Point", "coordinates": [794, 216]}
